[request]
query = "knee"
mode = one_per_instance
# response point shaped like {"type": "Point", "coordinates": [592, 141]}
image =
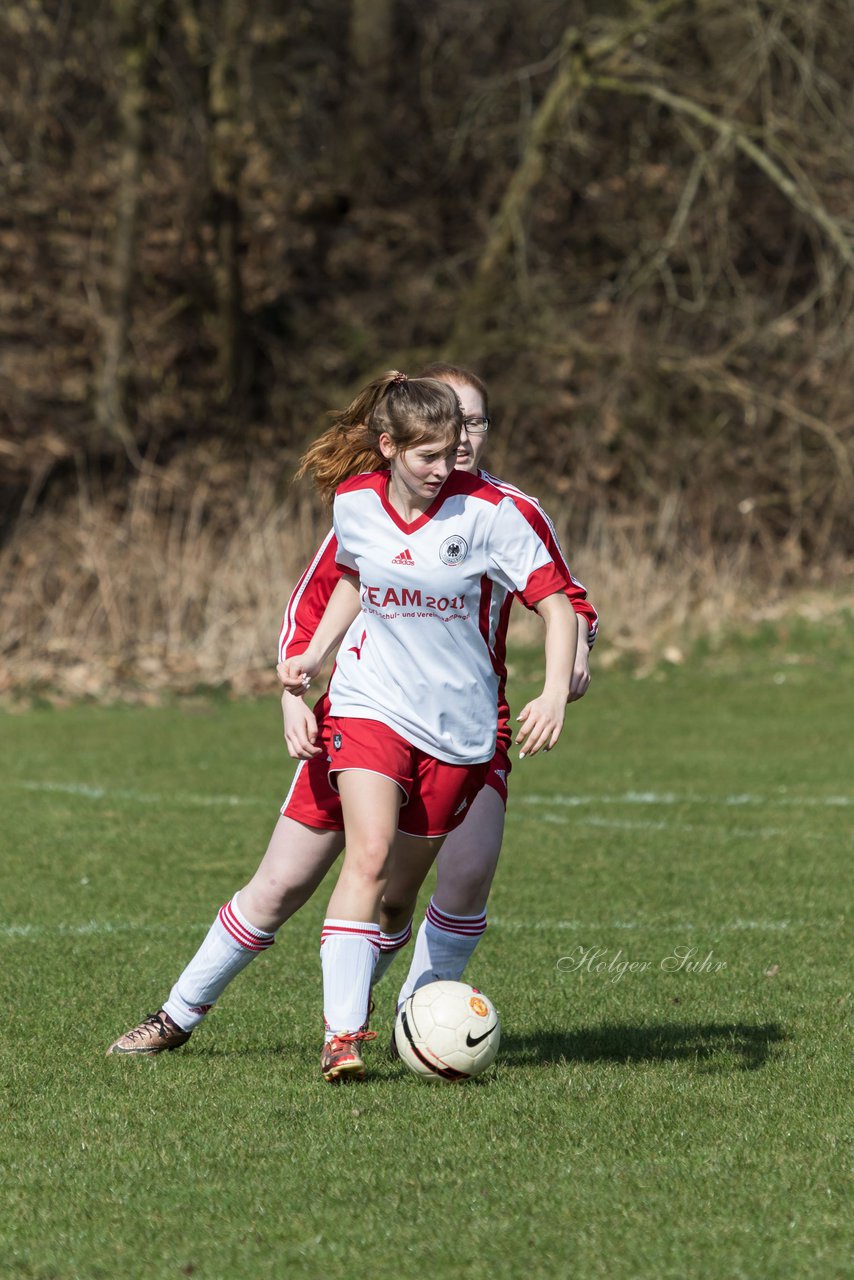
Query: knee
{"type": "Point", "coordinates": [464, 878]}
{"type": "Point", "coordinates": [397, 911]}
{"type": "Point", "coordinates": [369, 862]}
{"type": "Point", "coordinates": [265, 904]}
{"type": "Point", "coordinates": [465, 892]}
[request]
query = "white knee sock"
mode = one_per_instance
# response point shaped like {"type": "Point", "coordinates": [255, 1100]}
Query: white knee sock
{"type": "Point", "coordinates": [348, 953]}
{"type": "Point", "coordinates": [230, 944]}
{"type": "Point", "coordinates": [390, 944]}
{"type": "Point", "coordinates": [443, 947]}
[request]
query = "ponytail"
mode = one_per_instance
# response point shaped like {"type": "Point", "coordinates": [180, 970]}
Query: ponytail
{"type": "Point", "coordinates": [410, 411]}
{"type": "Point", "coordinates": [341, 452]}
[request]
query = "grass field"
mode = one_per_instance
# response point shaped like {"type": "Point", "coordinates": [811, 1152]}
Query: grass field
{"type": "Point", "coordinates": [684, 1116]}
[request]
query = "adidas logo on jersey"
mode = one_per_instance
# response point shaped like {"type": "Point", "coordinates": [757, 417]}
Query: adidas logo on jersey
{"type": "Point", "coordinates": [405, 557]}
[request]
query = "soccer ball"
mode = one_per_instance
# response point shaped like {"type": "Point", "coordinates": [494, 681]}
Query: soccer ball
{"type": "Point", "coordinates": [447, 1031]}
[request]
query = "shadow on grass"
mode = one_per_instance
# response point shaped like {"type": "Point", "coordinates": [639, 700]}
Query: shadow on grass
{"type": "Point", "coordinates": [269, 1049]}
{"type": "Point", "coordinates": [714, 1043]}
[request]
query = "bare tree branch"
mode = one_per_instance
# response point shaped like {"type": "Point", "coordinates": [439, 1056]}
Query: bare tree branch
{"type": "Point", "coordinates": [709, 374]}
{"type": "Point", "coordinates": [570, 82]}
{"type": "Point", "coordinates": [729, 129]}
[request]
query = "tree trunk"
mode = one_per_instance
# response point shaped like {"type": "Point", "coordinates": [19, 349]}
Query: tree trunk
{"type": "Point", "coordinates": [507, 227]}
{"type": "Point", "coordinates": [136, 21]}
{"type": "Point", "coordinates": [371, 54]}
{"type": "Point", "coordinates": [225, 169]}
{"type": "Point", "coordinates": [213, 36]}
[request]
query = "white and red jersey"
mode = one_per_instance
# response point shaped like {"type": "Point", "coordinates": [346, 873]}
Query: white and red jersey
{"type": "Point", "coordinates": [420, 657]}
{"type": "Point", "coordinates": [542, 525]}
{"type": "Point", "coordinates": [311, 594]}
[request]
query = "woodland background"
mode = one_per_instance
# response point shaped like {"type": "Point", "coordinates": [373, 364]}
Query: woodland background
{"type": "Point", "coordinates": [218, 219]}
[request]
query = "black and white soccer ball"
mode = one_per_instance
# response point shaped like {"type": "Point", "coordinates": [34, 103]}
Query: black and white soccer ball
{"type": "Point", "coordinates": [447, 1031]}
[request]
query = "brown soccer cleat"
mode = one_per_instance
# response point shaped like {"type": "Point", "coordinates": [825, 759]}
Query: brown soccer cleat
{"type": "Point", "coordinates": [340, 1059]}
{"type": "Point", "coordinates": [154, 1034]}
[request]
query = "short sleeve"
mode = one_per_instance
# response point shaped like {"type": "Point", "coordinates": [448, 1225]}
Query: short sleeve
{"type": "Point", "coordinates": [344, 559]}
{"type": "Point", "coordinates": [518, 558]}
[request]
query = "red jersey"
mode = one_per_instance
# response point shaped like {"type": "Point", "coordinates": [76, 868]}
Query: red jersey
{"type": "Point", "coordinates": [308, 601]}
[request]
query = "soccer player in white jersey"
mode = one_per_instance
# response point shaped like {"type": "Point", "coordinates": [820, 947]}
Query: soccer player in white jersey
{"type": "Point", "coordinates": [455, 919]}
{"type": "Point", "coordinates": [308, 836]}
{"type": "Point", "coordinates": [412, 721]}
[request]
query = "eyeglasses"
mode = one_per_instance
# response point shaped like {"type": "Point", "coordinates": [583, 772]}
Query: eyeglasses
{"type": "Point", "coordinates": [476, 426]}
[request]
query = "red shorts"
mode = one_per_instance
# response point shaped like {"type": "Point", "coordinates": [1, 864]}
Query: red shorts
{"type": "Point", "coordinates": [497, 773]}
{"type": "Point", "coordinates": [437, 795]}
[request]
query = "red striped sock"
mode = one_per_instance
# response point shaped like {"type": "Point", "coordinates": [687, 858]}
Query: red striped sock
{"type": "Point", "coordinates": [443, 947]}
{"type": "Point", "coordinates": [230, 945]}
{"type": "Point", "coordinates": [464, 926]}
{"type": "Point", "coordinates": [241, 931]}
{"type": "Point", "coordinates": [348, 954]}
{"type": "Point", "coordinates": [390, 944]}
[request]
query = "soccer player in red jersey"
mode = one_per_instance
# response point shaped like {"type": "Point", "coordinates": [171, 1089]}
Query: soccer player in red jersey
{"type": "Point", "coordinates": [300, 852]}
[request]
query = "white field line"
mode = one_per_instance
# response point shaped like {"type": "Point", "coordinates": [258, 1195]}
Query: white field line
{"type": "Point", "coordinates": [678, 926]}
{"type": "Point", "coordinates": [85, 792]}
{"type": "Point", "coordinates": [674, 798]}
{"type": "Point", "coordinates": [34, 932]}
{"type": "Point", "coordinates": [721, 829]}
{"type": "Point", "coordinates": [105, 928]}
{"type": "Point", "coordinates": [91, 928]}
{"type": "Point", "coordinates": [545, 801]}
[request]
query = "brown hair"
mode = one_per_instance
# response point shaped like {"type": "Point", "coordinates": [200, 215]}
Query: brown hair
{"type": "Point", "coordinates": [453, 373]}
{"type": "Point", "coordinates": [412, 411]}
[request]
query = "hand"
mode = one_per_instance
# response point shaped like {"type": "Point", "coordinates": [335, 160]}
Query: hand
{"type": "Point", "coordinates": [300, 728]}
{"type": "Point", "coordinates": [296, 673]}
{"type": "Point", "coordinates": [542, 722]}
